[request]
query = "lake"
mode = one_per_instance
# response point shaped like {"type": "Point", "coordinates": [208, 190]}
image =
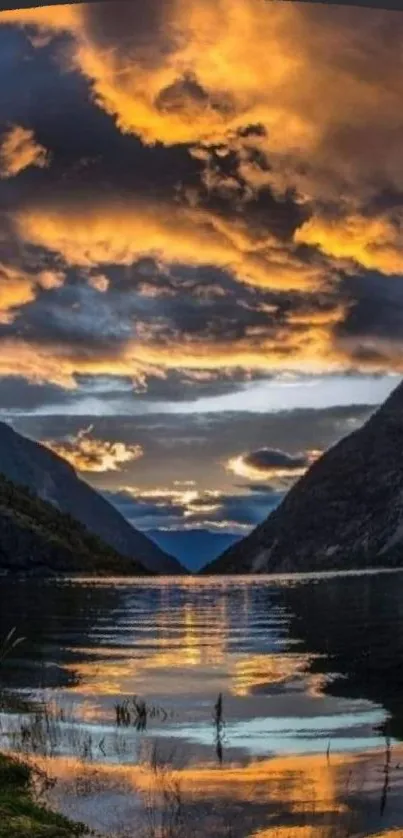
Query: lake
{"type": "Point", "coordinates": [246, 706]}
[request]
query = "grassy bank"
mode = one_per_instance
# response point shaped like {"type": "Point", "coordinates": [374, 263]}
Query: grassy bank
{"type": "Point", "coordinates": [20, 815]}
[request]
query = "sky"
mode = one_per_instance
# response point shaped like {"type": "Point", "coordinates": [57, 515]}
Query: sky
{"type": "Point", "coordinates": [201, 259]}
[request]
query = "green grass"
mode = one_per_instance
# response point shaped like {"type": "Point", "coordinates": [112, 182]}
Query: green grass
{"type": "Point", "coordinates": [20, 815]}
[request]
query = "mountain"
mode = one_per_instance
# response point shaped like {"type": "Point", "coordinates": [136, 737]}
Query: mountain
{"type": "Point", "coordinates": [36, 538]}
{"type": "Point", "coordinates": [346, 512]}
{"type": "Point", "coordinates": [193, 547]}
{"type": "Point", "coordinates": [31, 465]}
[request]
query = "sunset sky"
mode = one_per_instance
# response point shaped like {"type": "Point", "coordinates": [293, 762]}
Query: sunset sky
{"type": "Point", "coordinates": [201, 249]}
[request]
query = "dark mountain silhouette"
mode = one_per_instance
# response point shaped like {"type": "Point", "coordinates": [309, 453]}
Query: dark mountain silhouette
{"type": "Point", "coordinates": [31, 465]}
{"type": "Point", "coordinates": [36, 538]}
{"type": "Point", "coordinates": [345, 512]}
{"type": "Point", "coordinates": [193, 547]}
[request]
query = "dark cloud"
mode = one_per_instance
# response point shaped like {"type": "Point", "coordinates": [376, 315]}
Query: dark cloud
{"type": "Point", "coordinates": [16, 393]}
{"type": "Point", "coordinates": [163, 307]}
{"type": "Point", "coordinates": [182, 93]}
{"type": "Point", "coordinates": [266, 488]}
{"type": "Point", "coordinates": [293, 430]}
{"type": "Point", "coordinates": [43, 96]}
{"type": "Point", "coordinates": [77, 315]}
{"type": "Point", "coordinates": [137, 29]}
{"type": "Point", "coordinates": [118, 395]}
{"type": "Point", "coordinates": [98, 160]}
{"type": "Point", "coordinates": [375, 309]}
{"type": "Point", "coordinates": [248, 509]}
{"type": "Point", "coordinates": [182, 385]}
{"type": "Point", "coordinates": [267, 459]}
{"type": "Point", "coordinates": [371, 332]}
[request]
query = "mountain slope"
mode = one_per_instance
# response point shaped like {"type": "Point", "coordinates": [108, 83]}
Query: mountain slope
{"type": "Point", "coordinates": [36, 538]}
{"type": "Point", "coordinates": [29, 464]}
{"type": "Point", "coordinates": [193, 547]}
{"type": "Point", "coordinates": [345, 512]}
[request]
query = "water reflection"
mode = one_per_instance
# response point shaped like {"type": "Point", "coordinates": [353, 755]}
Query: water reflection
{"type": "Point", "coordinates": [353, 628]}
{"type": "Point", "coordinates": [308, 669]}
{"type": "Point", "coordinates": [290, 796]}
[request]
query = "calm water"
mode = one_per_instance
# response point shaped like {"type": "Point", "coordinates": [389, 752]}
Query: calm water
{"type": "Point", "coordinates": [311, 675]}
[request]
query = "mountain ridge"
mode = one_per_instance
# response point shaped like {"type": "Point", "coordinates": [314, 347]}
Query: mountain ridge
{"type": "Point", "coordinates": [345, 512]}
{"type": "Point", "coordinates": [31, 465]}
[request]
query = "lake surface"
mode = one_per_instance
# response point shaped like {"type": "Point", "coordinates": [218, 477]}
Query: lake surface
{"type": "Point", "coordinates": [305, 740]}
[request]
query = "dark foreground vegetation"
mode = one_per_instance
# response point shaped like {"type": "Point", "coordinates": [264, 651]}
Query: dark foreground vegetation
{"type": "Point", "coordinates": [20, 815]}
{"type": "Point", "coordinates": [36, 538]}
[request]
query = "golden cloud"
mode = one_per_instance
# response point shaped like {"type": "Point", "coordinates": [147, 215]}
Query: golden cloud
{"type": "Point", "coordinates": [123, 232]}
{"type": "Point", "coordinates": [373, 243]}
{"type": "Point", "coordinates": [50, 279]}
{"type": "Point", "coordinates": [320, 82]}
{"type": "Point", "coordinates": [16, 289]}
{"type": "Point", "coordinates": [309, 349]}
{"type": "Point", "coordinates": [86, 453]}
{"type": "Point", "coordinates": [60, 364]}
{"type": "Point", "coordinates": [318, 101]}
{"type": "Point", "coordinates": [18, 150]}
{"type": "Point", "coordinates": [191, 501]}
{"type": "Point", "coordinates": [47, 18]}
{"type": "Point", "coordinates": [100, 282]}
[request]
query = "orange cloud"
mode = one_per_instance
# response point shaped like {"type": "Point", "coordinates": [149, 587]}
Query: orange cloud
{"type": "Point", "coordinates": [373, 243]}
{"type": "Point", "coordinates": [303, 72]}
{"type": "Point", "coordinates": [18, 150]}
{"type": "Point", "coordinates": [86, 453]}
{"type": "Point", "coordinates": [317, 101]}
{"type": "Point", "coordinates": [309, 348]}
{"type": "Point", "coordinates": [48, 18]}
{"type": "Point", "coordinates": [320, 82]}
{"type": "Point", "coordinates": [50, 279]}
{"type": "Point", "coordinates": [16, 289]}
{"type": "Point", "coordinates": [100, 282]}
{"type": "Point", "coordinates": [123, 232]}
{"type": "Point", "coordinates": [36, 363]}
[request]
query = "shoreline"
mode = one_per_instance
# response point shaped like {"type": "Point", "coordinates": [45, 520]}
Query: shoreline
{"type": "Point", "coordinates": [20, 815]}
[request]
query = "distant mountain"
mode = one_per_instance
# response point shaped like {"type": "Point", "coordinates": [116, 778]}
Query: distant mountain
{"type": "Point", "coordinates": [36, 538]}
{"type": "Point", "coordinates": [194, 547]}
{"type": "Point", "coordinates": [30, 464]}
{"type": "Point", "coordinates": [346, 512]}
